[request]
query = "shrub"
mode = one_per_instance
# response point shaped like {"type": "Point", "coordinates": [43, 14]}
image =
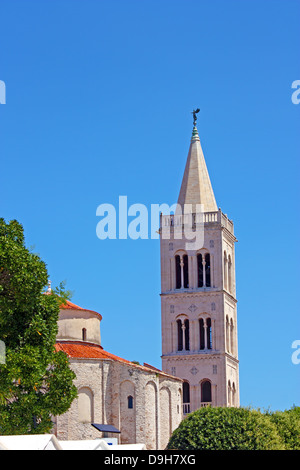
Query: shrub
{"type": "Point", "coordinates": [288, 427]}
{"type": "Point", "coordinates": [226, 429]}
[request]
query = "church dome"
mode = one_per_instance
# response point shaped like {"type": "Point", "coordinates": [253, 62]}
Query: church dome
{"type": "Point", "coordinates": [78, 324]}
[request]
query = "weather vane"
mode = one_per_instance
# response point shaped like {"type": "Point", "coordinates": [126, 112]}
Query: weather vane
{"type": "Point", "coordinates": [194, 112]}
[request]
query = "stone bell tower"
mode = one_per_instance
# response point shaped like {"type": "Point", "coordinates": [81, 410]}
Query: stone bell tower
{"type": "Point", "coordinates": [198, 295]}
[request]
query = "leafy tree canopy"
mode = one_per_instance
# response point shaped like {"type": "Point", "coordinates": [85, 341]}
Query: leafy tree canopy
{"type": "Point", "coordinates": [237, 429]}
{"type": "Point", "coordinates": [35, 380]}
{"type": "Point", "coordinates": [288, 426]}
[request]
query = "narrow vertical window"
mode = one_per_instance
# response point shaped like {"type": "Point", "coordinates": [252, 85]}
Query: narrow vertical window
{"type": "Point", "coordinates": [185, 271]}
{"type": "Point", "coordinates": [201, 328]}
{"type": "Point", "coordinates": [208, 334]}
{"type": "Point", "coordinates": [229, 393]}
{"type": "Point", "coordinates": [233, 394]}
{"type": "Point", "coordinates": [229, 274]}
{"type": "Point", "coordinates": [207, 270]}
{"type": "Point", "coordinates": [225, 270]}
{"type": "Point", "coordinates": [83, 334]}
{"type": "Point", "coordinates": [187, 334]}
{"type": "Point", "coordinates": [231, 336]}
{"type": "Point", "coordinates": [227, 334]}
{"type": "Point", "coordinates": [200, 270]}
{"type": "Point", "coordinates": [130, 402]}
{"type": "Point", "coordinates": [179, 336]}
{"type": "Point", "coordinates": [178, 271]}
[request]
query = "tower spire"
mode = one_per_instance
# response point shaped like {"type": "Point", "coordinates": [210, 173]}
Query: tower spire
{"type": "Point", "coordinates": [198, 304]}
{"type": "Point", "coordinates": [196, 187]}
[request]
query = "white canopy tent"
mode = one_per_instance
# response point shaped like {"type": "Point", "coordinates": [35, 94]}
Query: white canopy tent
{"type": "Point", "coordinates": [50, 442]}
{"type": "Point", "coordinates": [30, 442]}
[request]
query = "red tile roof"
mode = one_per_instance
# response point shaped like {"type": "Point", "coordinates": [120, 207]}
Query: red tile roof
{"type": "Point", "coordinates": [67, 305]}
{"type": "Point", "coordinates": [86, 351]}
{"type": "Point", "coordinates": [81, 350]}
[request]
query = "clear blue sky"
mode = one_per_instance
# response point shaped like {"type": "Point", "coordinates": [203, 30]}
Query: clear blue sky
{"type": "Point", "coordinates": [99, 95]}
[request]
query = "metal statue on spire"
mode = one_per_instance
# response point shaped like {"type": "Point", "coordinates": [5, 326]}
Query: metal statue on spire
{"type": "Point", "coordinates": [194, 112]}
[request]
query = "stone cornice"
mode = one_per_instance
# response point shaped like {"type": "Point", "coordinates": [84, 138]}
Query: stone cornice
{"type": "Point", "coordinates": [230, 296]}
{"type": "Point", "coordinates": [228, 234]}
{"type": "Point", "coordinates": [199, 293]}
{"type": "Point", "coordinates": [232, 358]}
{"type": "Point", "coordinates": [193, 355]}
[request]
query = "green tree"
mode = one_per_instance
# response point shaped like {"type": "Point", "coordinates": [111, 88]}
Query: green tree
{"type": "Point", "coordinates": [36, 382]}
{"type": "Point", "coordinates": [226, 429]}
{"type": "Point", "coordinates": [288, 426]}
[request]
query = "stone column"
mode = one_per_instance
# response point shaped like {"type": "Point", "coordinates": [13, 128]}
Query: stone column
{"type": "Point", "coordinates": [205, 334]}
{"type": "Point", "coordinates": [203, 268]}
{"type": "Point", "coordinates": [183, 335]}
{"type": "Point", "coordinates": [181, 266]}
{"type": "Point", "coordinates": [191, 271]}
{"type": "Point", "coordinates": [195, 273]}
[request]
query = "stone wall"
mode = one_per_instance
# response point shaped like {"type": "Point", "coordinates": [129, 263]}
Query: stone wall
{"type": "Point", "coordinates": [103, 390]}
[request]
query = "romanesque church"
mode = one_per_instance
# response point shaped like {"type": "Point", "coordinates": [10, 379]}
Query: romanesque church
{"type": "Point", "coordinates": [198, 325]}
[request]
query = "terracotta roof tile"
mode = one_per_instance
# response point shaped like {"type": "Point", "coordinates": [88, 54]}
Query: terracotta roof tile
{"type": "Point", "coordinates": [81, 350]}
{"type": "Point", "coordinates": [67, 305]}
{"type": "Point", "coordinates": [86, 350]}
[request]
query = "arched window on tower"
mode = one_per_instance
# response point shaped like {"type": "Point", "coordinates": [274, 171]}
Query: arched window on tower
{"type": "Point", "coordinates": [225, 270]}
{"type": "Point", "coordinates": [233, 395]}
{"type": "Point", "coordinates": [205, 393]}
{"type": "Point", "coordinates": [231, 337]}
{"type": "Point", "coordinates": [186, 397]}
{"type": "Point", "coordinates": [178, 271]}
{"type": "Point", "coordinates": [187, 334]}
{"type": "Point", "coordinates": [207, 270]}
{"type": "Point", "coordinates": [229, 393]}
{"type": "Point", "coordinates": [200, 270]}
{"type": "Point", "coordinates": [229, 274]}
{"type": "Point", "coordinates": [183, 335]}
{"type": "Point", "coordinates": [179, 335]}
{"type": "Point", "coordinates": [182, 271]}
{"type": "Point", "coordinates": [185, 271]}
{"type": "Point", "coordinates": [205, 333]}
{"type": "Point", "coordinates": [201, 330]}
{"type": "Point", "coordinates": [227, 334]}
{"type": "Point", "coordinates": [204, 270]}
{"type": "Point", "coordinates": [208, 334]}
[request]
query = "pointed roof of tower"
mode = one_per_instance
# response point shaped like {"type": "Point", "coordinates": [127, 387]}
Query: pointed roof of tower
{"type": "Point", "coordinates": [196, 187]}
